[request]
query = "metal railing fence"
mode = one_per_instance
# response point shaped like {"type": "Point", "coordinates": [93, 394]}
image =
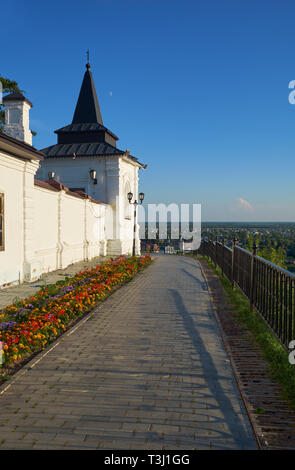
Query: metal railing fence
{"type": "Point", "coordinates": [269, 288]}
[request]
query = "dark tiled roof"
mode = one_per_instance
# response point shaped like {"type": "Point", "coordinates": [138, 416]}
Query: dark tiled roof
{"type": "Point", "coordinates": [43, 184]}
{"type": "Point", "coordinates": [97, 140]}
{"type": "Point", "coordinates": [54, 185]}
{"type": "Point", "coordinates": [85, 150]}
{"type": "Point", "coordinates": [16, 96]}
{"type": "Point", "coordinates": [86, 126]}
{"type": "Point", "coordinates": [87, 108]}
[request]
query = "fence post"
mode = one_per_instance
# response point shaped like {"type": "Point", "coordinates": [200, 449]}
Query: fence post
{"type": "Point", "coordinates": [233, 262]}
{"type": "Point", "coordinates": [222, 262]}
{"type": "Point", "coordinates": [216, 264]}
{"type": "Point", "coordinates": [252, 275]}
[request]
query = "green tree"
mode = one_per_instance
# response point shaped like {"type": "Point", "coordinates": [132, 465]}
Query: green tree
{"type": "Point", "coordinates": [267, 251]}
{"type": "Point", "coordinates": [250, 241]}
{"type": "Point", "coordinates": [270, 251]}
{"type": "Point", "coordinates": [278, 256]}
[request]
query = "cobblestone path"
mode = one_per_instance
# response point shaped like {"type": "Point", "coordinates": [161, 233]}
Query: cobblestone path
{"type": "Point", "coordinates": [145, 370]}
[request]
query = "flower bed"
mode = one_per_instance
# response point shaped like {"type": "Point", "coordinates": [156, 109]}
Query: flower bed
{"type": "Point", "coordinates": [29, 325]}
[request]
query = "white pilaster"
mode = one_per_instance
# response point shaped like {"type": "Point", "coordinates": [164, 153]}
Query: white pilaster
{"type": "Point", "coordinates": [61, 262]}
{"type": "Point", "coordinates": [31, 266]}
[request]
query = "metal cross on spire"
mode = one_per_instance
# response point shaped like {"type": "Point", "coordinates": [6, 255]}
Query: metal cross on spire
{"type": "Point", "coordinates": [88, 64]}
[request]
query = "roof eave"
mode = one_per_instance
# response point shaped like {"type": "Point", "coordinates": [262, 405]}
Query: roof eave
{"type": "Point", "coordinates": [130, 159]}
{"type": "Point", "coordinates": [19, 149]}
{"type": "Point", "coordinates": [64, 130]}
{"type": "Point", "coordinates": [85, 155]}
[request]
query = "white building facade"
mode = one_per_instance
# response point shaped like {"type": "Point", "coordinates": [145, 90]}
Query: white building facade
{"type": "Point", "coordinates": [67, 202]}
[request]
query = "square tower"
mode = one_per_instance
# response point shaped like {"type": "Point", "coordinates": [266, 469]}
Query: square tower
{"type": "Point", "coordinates": [86, 158]}
{"type": "Point", "coordinates": [17, 109]}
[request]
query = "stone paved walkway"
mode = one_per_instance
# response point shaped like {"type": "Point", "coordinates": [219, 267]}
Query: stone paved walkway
{"type": "Point", "coordinates": [145, 370]}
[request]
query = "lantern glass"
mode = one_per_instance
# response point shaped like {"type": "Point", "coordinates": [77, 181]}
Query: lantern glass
{"type": "Point", "coordinates": [92, 174]}
{"type": "Point", "coordinates": [130, 196]}
{"type": "Point", "coordinates": [141, 197]}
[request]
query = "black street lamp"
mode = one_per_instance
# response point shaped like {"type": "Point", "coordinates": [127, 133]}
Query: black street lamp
{"type": "Point", "coordinates": [135, 203]}
{"type": "Point", "coordinates": [92, 174]}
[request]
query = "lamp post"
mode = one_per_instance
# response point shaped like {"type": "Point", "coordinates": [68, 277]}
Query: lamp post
{"type": "Point", "coordinates": [135, 203]}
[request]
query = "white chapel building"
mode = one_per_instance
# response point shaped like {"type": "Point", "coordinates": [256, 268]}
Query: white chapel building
{"type": "Point", "coordinates": [67, 202]}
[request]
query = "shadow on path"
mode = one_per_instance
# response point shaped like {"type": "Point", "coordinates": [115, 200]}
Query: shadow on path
{"type": "Point", "coordinates": [210, 373]}
{"type": "Point", "coordinates": [203, 284]}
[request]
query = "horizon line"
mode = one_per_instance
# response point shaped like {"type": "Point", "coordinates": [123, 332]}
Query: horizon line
{"type": "Point", "coordinates": [226, 222]}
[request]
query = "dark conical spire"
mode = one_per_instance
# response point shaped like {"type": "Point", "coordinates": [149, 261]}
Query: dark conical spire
{"type": "Point", "coordinates": [87, 108]}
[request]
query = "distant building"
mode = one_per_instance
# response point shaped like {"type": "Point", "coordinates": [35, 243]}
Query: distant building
{"type": "Point", "coordinates": [169, 250]}
{"type": "Point", "coordinates": [185, 246]}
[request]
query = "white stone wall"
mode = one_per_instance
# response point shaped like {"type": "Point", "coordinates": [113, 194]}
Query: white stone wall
{"type": "Point", "coordinates": [67, 229]}
{"type": "Point", "coordinates": [115, 174]}
{"type": "Point", "coordinates": [128, 182]}
{"type": "Point", "coordinates": [44, 229]}
{"type": "Point", "coordinates": [11, 185]}
{"type": "Point", "coordinates": [74, 173]}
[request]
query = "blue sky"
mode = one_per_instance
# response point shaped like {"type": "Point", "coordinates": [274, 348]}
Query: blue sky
{"type": "Point", "coordinates": [198, 90]}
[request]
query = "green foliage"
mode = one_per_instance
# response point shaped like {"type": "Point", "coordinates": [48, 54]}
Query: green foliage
{"type": "Point", "coordinates": [17, 301]}
{"type": "Point", "coordinates": [259, 411]}
{"type": "Point", "coordinates": [9, 86]}
{"type": "Point", "coordinates": [248, 245]}
{"type": "Point", "coordinates": [268, 248]}
{"type": "Point", "coordinates": [51, 289]}
{"type": "Point", "coordinates": [272, 251]}
{"type": "Point", "coordinates": [275, 241]}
